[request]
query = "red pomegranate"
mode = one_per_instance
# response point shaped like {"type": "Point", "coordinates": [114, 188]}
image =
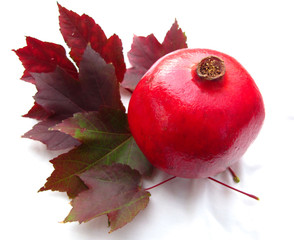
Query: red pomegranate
{"type": "Point", "coordinates": [195, 112]}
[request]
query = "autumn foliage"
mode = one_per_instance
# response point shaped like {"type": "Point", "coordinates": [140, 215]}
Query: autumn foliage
{"type": "Point", "coordinates": [79, 110]}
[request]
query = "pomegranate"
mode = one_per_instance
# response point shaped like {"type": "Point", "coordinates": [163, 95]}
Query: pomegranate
{"type": "Point", "coordinates": [195, 112]}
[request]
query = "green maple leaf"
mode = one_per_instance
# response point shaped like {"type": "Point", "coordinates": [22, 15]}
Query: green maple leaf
{"type": "Point", "coordinates": [105, 139]}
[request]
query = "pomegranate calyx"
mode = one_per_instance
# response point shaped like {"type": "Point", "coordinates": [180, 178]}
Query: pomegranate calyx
{"type": "Point", "coordinates": [211, 68]}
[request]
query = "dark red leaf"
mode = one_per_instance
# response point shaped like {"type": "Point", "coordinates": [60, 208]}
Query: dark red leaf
{"type": "Point", "coordinates": [99, 86]}
{"type": "Point", "coordinates": [112, 53]}
{"type": "Point", "coordinates": [62, 95]}
{"type": "Point", "coordinates": [43, 57]}
{"type": "Point", "coordinates": [79, 31]}
{"type": "Point", "coordinates": [113, 190]}
{"type": "Point", "coordinates": [146, 51]}
{"type": "Point", "coordinates": [175, 39]}
{"type": "Point", "coordinates": [58, 92]}
{"type": "Point", "coordinates": [38, 112]}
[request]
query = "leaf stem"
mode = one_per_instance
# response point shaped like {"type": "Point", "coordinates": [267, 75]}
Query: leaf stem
{"type": "Point", "coordinates": [237, 190]}
{"type": "Point", "coordinates": [167, 180]}
{"type": "Point", "coordinates": [247, 194]}
{"type": "Point", "coordinates": [235, 177]}
{"type": "Point", "coordinates": [129, 90]}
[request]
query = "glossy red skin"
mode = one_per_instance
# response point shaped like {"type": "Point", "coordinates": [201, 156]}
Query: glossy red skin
{"type": "Point", "coordinates": [190, 127]}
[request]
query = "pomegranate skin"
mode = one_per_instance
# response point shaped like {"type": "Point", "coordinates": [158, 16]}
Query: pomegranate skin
{"type": "Point", "coordinates": [192, 127]}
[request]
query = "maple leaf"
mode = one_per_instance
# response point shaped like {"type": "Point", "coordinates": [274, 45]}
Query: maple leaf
{"type": "Point", "coordinates": [146, 51]}
{"type": "Point", "coordinates": [78, 31]}
{"type": "Point", "coordinates": [48, 63]}
{"type": "Point", "coordinates": [105, 139]}
{"type": "Point", "coordinates": [54, 140]}
{"type": "Point", "coordinates": [38, 112]}
{"type": "Point", "coordinates": [39, 57]}
{"type": "Point", "coordinates": [60, 96]}
{"type": "Point", "coordinates": [113, 190]}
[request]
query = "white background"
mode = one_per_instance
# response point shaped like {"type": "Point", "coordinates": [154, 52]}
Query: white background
{"type": "Point", "coordinates": [259, 34]}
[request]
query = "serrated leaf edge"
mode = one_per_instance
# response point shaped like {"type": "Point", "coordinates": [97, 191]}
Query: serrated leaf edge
{"type": "Point", "coordinates": [71, 219]}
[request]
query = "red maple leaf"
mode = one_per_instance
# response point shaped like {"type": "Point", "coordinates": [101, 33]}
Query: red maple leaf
{"type": "Point", "coordinates": [62, 90]}
{"type": "Point", "coordinates": [79, 31]}
{"type": "Point", "coordinates": [38, 112]}
{"type": "Point", "coordinates": [42, 57]}
{"type": "Point", "coordinates": [60, 95]}
{"type": "Point", "coordinates": [146, 51]}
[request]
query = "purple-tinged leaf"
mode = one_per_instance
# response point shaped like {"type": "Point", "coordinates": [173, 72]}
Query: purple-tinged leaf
{"type": "Point", "coordinates": [58, 93]}
{"type": "Point", "coordinates": [99, 86]}
{"type": "Point", "coordinates": [54, 140]}
{"type": "Point", "coordinates": [113, 190]}
{"type": "Point", "coordinates": [146, 51]}
{"type": "Point", "coordinates": [61, 95]}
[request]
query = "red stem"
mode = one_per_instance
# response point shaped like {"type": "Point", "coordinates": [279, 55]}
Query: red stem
{"type": "Point", "coordinates": [129, 90]}
{"type": "Point", "coordinates": [146, 189]}
{"type": "Point", "coordinates": [247, 194]}
{"type": "Point", "coordinates": [167, 180]}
